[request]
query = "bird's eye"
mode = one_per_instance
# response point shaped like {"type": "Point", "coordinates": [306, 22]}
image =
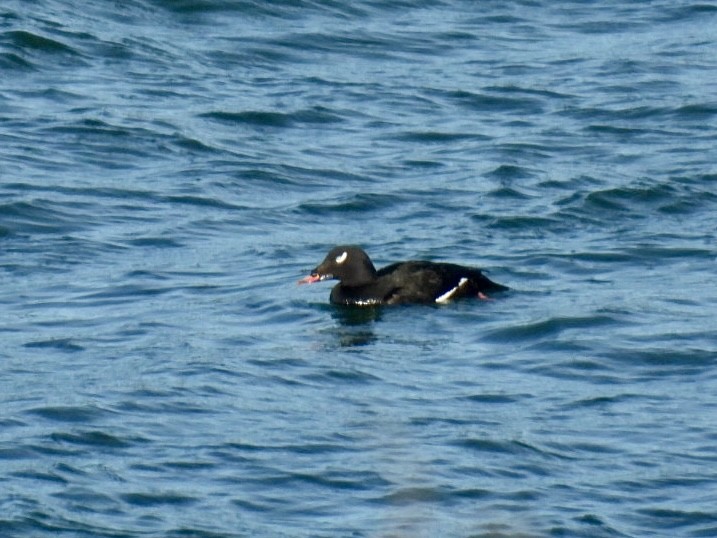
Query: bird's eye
{"type": "Point", "coordinates": [342, 258]}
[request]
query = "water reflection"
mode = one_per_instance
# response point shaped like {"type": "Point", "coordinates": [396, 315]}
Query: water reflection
{"type": "Point", "coordinates": [355, 324]}
{"type": "Point", "coordinates": [356, 315]}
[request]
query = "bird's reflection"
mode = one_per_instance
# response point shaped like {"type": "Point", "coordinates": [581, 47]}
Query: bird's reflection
{"type": "Point", "coordinates": [355, 315]}
{"type": "Point", "coordinates": [355, 324]}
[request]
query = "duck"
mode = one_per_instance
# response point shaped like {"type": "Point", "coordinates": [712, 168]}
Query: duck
{"type": "Point", "coordinates": [409, 282]}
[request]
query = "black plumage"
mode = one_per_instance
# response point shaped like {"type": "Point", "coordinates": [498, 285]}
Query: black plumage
{"type": "Point", "coordinates": [399, 283]}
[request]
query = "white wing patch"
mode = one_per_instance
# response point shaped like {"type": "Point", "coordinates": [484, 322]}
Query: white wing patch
{"type": "Point", "coordinates": [450, 293]}
{"type": "Point", "coordinates": [342, 257]}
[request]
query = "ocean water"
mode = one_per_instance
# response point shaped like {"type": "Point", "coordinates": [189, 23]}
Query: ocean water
{"type": "Point", "coordinates": [170, 168]}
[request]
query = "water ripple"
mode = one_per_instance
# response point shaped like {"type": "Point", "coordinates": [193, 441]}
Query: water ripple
{"type": "Point", "coordinates": [171, 168]}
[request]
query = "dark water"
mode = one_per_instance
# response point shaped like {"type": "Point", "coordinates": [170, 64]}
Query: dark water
{"type": "Point", "coordinates": [169, 169]}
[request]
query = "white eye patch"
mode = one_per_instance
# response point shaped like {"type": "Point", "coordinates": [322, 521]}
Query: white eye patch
{"type": "Point", "coordinates": [342, 258]}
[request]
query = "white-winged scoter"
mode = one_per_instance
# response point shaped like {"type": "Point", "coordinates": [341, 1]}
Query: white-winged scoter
{"type": "Point", "coordinates": [399, 283]}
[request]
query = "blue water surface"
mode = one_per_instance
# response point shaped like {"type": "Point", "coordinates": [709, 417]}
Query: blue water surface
{"type": "Point", "coordinates": [170, 168]}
